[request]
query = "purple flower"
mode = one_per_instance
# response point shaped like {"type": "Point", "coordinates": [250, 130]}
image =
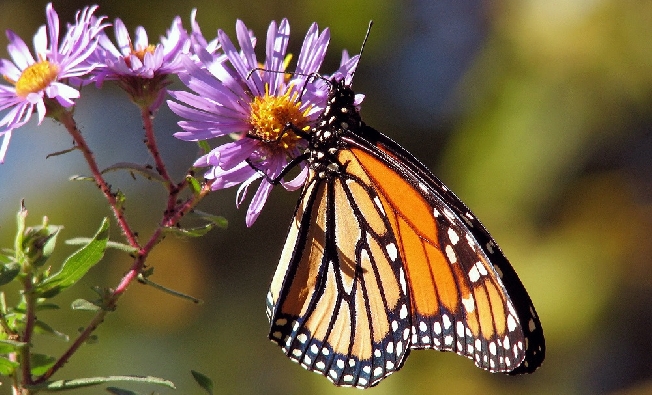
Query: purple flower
{"type": "Point", "coordinates": [34, 82]}
{"type": "Point", "coordinates": [141, 68]}
{"type": "Point", "coordinates": [234, 95]}
{"type": "Point", "coordinates": [197, 38]}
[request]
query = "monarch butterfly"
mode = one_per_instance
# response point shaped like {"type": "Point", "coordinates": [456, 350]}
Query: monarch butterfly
{"type": "Point", "coordinates": [381, 258]}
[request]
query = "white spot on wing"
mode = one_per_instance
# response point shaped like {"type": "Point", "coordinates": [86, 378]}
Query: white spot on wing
{"type": "Point", "coordinates": [404, 313]}
{"type": "Point", "coordinates": [402, 279]}
{"type": "Point", "coordinates": [492, 348]}
{"type": "Point", "coordinates": [436, 327]}
{"type": "Point", "coordinates": [460, 329]}
{"type": "Point", "coordinates": [453, 236]}
{"type": "Point", "coordinates": [392, 251]}
{"type": "Point", "coordinates": [474, 274]}
{"type": "Point", "coordinates": [446, 321]}
{"type": "Point", "coordinates": [511, 323]}
{"type": "Point", "coordinates": [450, 253]}
{"type": "Point", "coordinates": [469, 304]}
{"type": "Point", "coordinates": [380, 205]}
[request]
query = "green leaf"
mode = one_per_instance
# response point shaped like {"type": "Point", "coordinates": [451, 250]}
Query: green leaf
{"type": "Point", "coordinates": [195, 185]}
{"type": "Point", "coordinates": [8, 272]}
{"type": "Point", "coordinates": [62, 385]}
{"type": "Point", "coordinates": [73, 148]}
{"type": "Point", "coordinates": [39, 307]}
{"type": "Point", "coordinates": [203, 381]}
{"type": "Point", "coordinates": [41, 363]}
{"type": "Point", "coordinates": [85, 305]}
{"type": "Point", "coordinates": [7, 257]}
{"type": "Point", "coordinates": [146, 171]}
{"type": "Point", "coordinates": [77, 265]}
{"type": "Point", "coordinates": [189, 232]}
{"type": "Point", "coordinates": [7, 367]}
{"type": "Point", "coordinates": [111, 244]}
{"type": "Point", "coordinates": [7, 346]}
{"type": "Point", "coordinates": [204, 146]}
{"type": "Point", "coordinates": [42, 328]}
{"type": "Point", "coordinates": [81, 178]}
{"type": "Point", "coordinates": [212, 221]}
{"type": "Point", "coordinates": [218, 220]}
{"type": "Point", "coordinates": [143, 279]}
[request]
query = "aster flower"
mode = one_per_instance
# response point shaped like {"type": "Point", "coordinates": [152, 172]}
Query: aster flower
{"type": "Point", "coordinates": [253, 103]}
{"type": "Point", "coordinates": [37, 83]}
{"type": "Point", "coordinates": [197, 38]}
{"type": "Point", "coordinates": [141, 68]}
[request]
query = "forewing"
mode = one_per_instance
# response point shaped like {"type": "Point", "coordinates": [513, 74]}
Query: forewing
{"type": "Point", "coordinates": [465, 296]}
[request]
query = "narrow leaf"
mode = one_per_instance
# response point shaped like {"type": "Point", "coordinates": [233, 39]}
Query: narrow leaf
{"type": "Point", "coordinates": [111, 244]}
{"type": "Point", "coordinates": [189, 232]}
{"type": "Point", "coordinates": [146, 171]}
{"type": "Point", "coordinates": [178, 294]}
{"type": "Point", "coordinates": [216, 219]}
{"type": "Point", "coordinates": [62, 385]}
{"type": "Point", "coordinates": [73, 148]}
{"type": "Point", "coordinates": [83, 304]}
{"type": "Point", "coordinates": [41, 327]}
{"type": "Point", "coordinates": [203, 381]}
{"type": "Point", "coordinates": [77, 265]}
{"type": "Point", "coordinates": [81, 178]}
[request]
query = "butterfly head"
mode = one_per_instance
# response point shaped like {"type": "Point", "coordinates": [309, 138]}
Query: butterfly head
{"type": "Point", "coordinates": [340, 117]}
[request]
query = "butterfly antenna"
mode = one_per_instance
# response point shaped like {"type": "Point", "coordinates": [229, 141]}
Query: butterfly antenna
{"type": "Point", "coordinates": [364, 42]}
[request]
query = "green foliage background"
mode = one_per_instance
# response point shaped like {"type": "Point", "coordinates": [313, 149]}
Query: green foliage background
{"type": "Point", "coordinates": [538, 114]}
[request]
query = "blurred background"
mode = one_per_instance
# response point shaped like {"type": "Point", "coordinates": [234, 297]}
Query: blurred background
{"type": "Point", "coordinates": [537, 113]}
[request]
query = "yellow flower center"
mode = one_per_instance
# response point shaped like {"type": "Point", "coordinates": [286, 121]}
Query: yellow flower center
{"type": "Point", "coordinates": [36, 77]}
{"type": "Point", "coordinates": [271, 115]}
{"type": "Point", "coordinates": [140, 53]}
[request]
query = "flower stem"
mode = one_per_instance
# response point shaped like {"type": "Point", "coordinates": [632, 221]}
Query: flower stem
{"type": "Point", "coordinates": [150, 141]}
{"type": "Point", "coordinates": [30, 321]}
{"type": "Point", "coordinates": [68, 121]}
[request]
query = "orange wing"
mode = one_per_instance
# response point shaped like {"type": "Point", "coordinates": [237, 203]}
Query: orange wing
{"type": "Point", "coordinates": [338, 302]}
{"type": "Point", "coordinates": [458, 301]}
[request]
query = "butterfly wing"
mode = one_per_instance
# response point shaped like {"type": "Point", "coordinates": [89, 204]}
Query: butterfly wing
{"type": "Point", "coordinates": [338, 303]}
{"type": "Point", "coordinates": [465, 296]}
{"type": "Point", "coordinates": [382, 258]}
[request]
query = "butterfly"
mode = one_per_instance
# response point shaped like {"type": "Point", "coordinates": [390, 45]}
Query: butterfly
{"type": "Point", "coordinates": [382, 258]}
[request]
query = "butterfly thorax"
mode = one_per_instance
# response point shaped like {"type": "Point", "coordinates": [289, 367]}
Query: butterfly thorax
{"type": "Point", "coordinates": [339, 117]}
